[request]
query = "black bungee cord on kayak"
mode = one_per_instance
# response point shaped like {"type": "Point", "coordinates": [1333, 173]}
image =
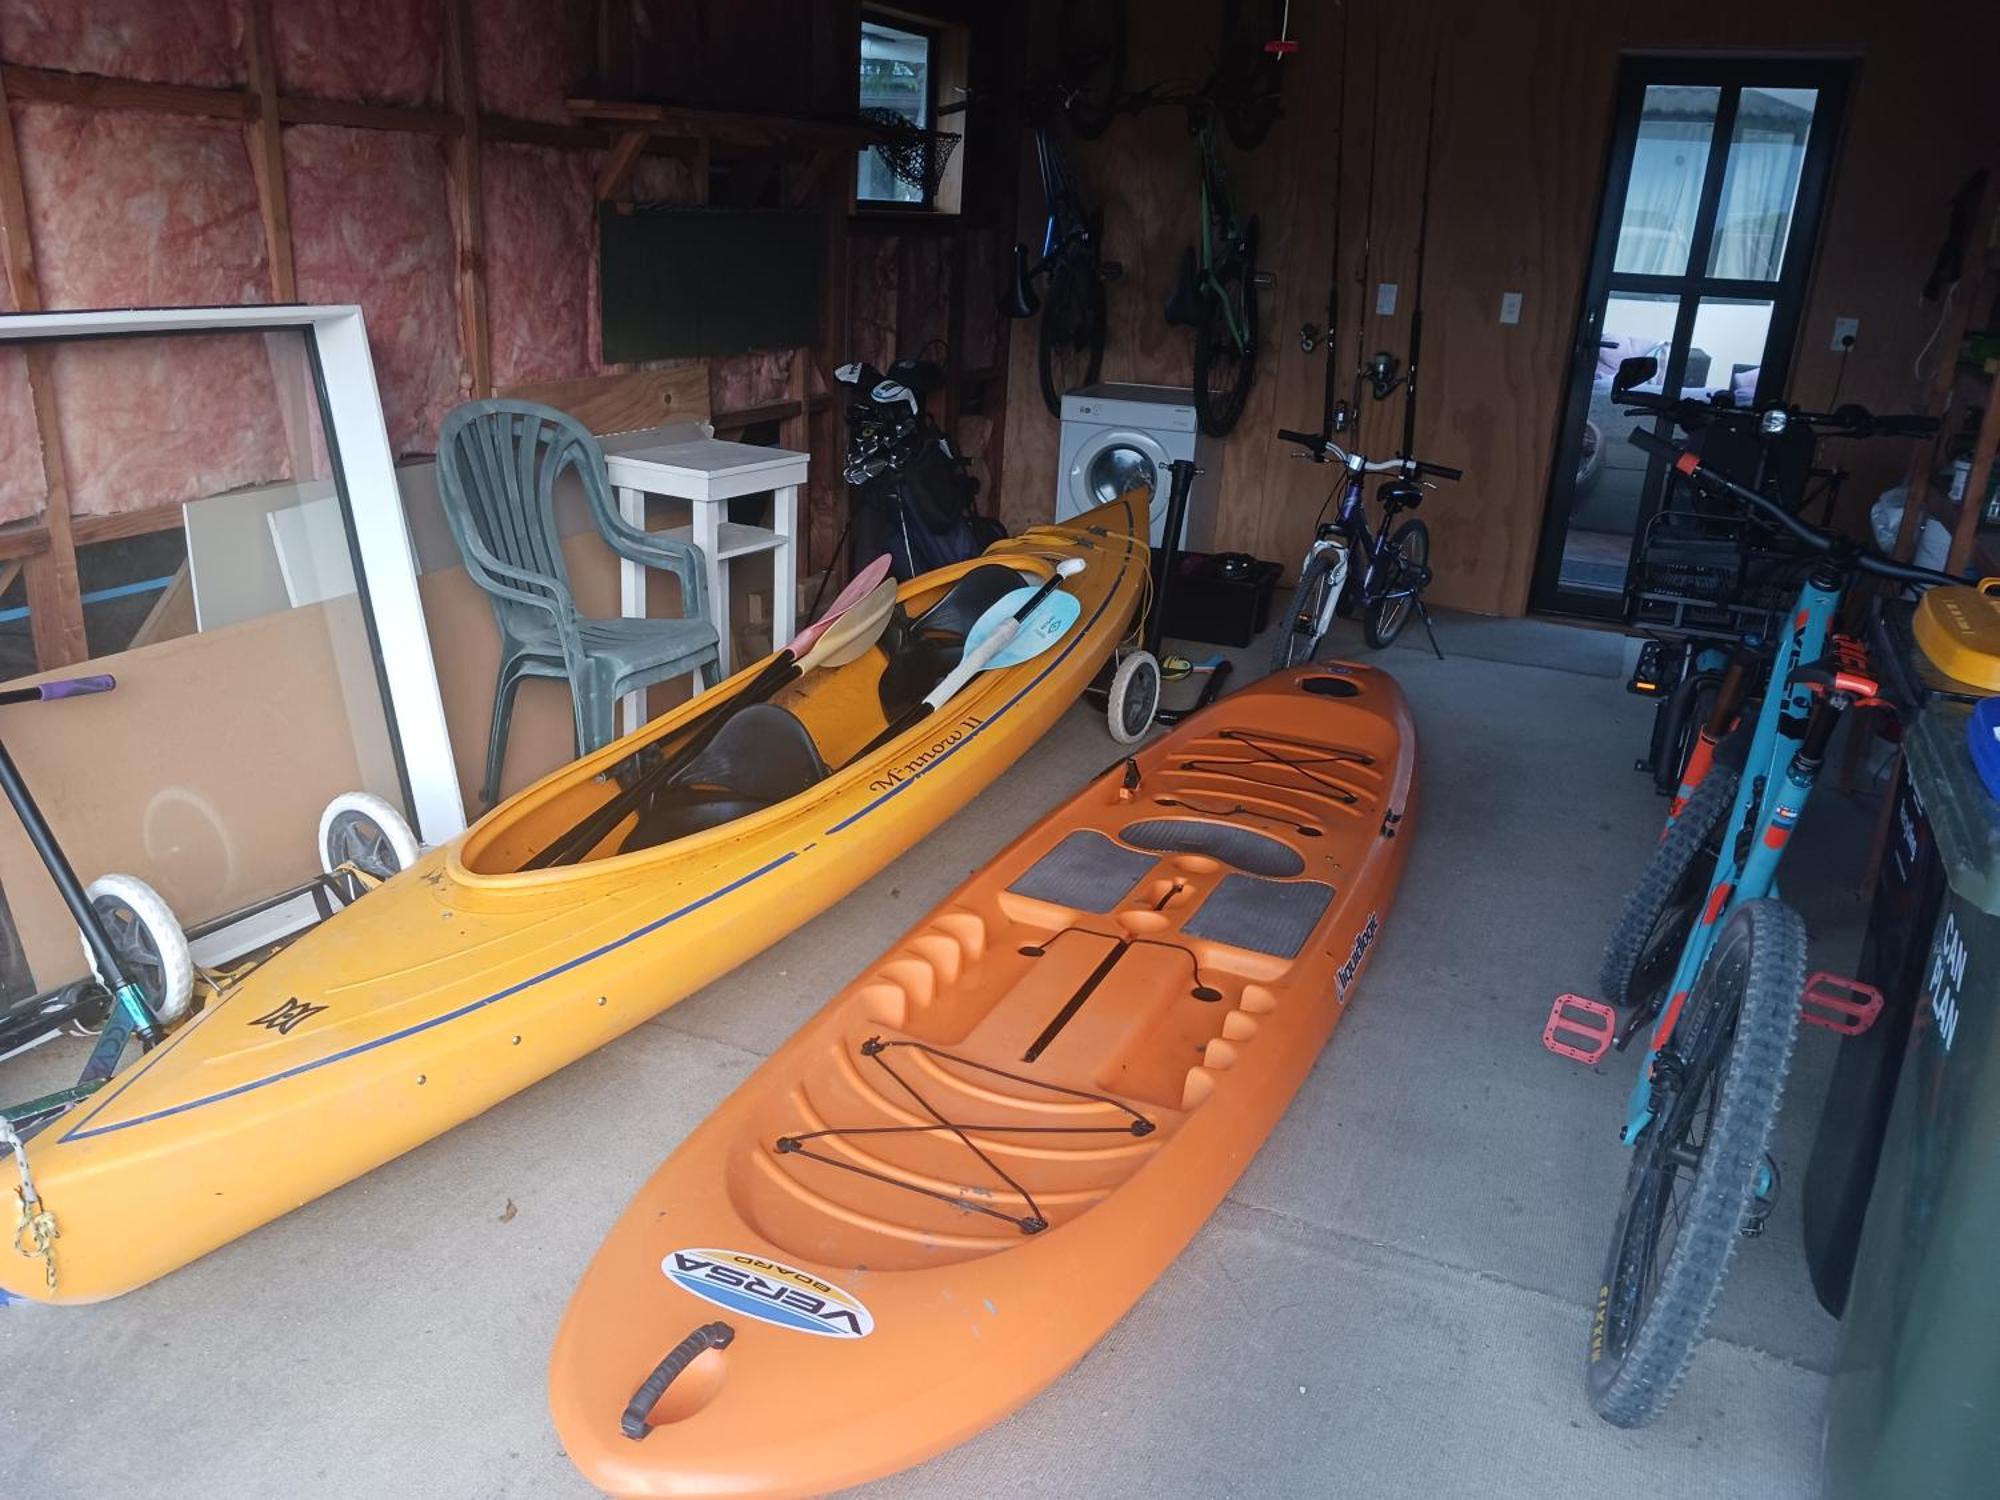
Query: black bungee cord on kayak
{"type": "Point", "coordinates": [1034, 1221]}
{"type": "Point", "coordinates": [1262, 747]}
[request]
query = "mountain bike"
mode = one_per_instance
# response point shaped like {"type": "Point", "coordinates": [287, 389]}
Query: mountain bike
{"type": "Point", "coordinates": [1216, 293]}
{"type": "Point", "coordinates": [1706, 955]}
{"type": "Point", "coordinates": [1394, 564]}
{"type": "Point", "coordinates": [1070, 345]}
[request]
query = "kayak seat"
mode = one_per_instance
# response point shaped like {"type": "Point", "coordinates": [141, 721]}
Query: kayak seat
{"type": "Point", "coordinates": [762, 756]}
{"type": "Point", "coordinates": [923, 650]}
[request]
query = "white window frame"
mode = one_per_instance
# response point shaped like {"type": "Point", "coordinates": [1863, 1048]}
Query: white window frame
{"type": "Point", "coordinates": [367, 481]}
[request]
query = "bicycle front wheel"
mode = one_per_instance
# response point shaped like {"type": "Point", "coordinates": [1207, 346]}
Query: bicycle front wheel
{"type": "Point", "coordinates": [1645, 944]}
{"type": "Point", "coordinates": [1403, 561]}
{"type": "Point", "coordinates": [1225, 342]}
{"type": "Point", "coordinates": [1300, 632]}
{"type": "Point", "coordinates": [1699, 1172]}
{"type": "Point", "coordinates": [1070, 348]}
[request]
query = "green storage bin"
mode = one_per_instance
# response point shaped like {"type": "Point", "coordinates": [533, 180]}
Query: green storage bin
{"type": "Point", "coordinates": [1913, 1407]}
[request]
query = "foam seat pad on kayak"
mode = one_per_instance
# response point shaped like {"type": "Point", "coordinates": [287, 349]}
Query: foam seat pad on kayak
{"type": "Point", "coordinates": [1264, 916]}
{"type": "Point", "coordinates": [1246, 850]}
{"type": "Point", "coordinates": [1086, 871]}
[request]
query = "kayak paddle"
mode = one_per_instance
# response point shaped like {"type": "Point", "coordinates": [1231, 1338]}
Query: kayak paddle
{"type": "Point", "coordinates": [1018, 626]}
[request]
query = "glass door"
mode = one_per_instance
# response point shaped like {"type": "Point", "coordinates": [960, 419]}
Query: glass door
{"type": "Point", "coordinates": [1704, 244]}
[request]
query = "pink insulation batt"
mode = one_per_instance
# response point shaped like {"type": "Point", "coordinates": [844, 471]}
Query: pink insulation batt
{"type": "Point", "coordinates": [378, 51]}
{"type": "Point", "coordinates": [370, 224]}
{"type": "Point", "coordinates": [532, 55]}
{"type": "Point", "coordinates": [541, 263]}
{"type": "Point", "coordinates": [139, 210]}
{"type": "Point", "coordinates": [21, 487]}
{"type": "Point", "coordinates": [160, 41]}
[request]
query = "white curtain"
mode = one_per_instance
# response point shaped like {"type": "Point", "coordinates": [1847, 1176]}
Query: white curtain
{"type": "Point", "coordinates": [1756, 209]}
{"type": "Point", "coordinates": [1657, 227]}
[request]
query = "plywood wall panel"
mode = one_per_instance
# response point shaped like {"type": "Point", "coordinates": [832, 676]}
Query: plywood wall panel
{"type": "Point", "coordinates": [378, 51]}
{"type": "Point", "coordinates": [1524, 122]}
{"type": "Point", "coordinates": [373, 226]}
{"type": "Point", "coordinates": [159, 41]}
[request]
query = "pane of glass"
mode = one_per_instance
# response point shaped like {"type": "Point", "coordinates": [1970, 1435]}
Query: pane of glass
{"type": "Point", "coordinates": [1669, 161]}
{"type": "Point", "coordinates": [220, 589]}
{"type": "Point", "coordinates": [1760, 182]}
{"type": "Point", "coordinates": [1726, 350]}
{"type": "Point", "coordinates": [1610, 472]}
{"type": "Point", "coordinates": [895, 75]}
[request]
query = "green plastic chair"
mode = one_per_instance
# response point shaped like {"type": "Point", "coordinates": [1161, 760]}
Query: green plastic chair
{"type": "Point", "coordinates": [498, 463]}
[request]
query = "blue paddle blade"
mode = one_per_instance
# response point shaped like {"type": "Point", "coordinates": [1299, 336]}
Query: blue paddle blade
{"type": "Point", "coordinates": [1049, 623]}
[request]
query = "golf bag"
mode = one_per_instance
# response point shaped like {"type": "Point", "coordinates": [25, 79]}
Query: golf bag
{"type": "Point", "coordinates": [909, 494]}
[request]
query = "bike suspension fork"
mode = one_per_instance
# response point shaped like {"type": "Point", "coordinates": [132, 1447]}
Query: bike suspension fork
{"type": "Point", "coordinates": [1728, 700]}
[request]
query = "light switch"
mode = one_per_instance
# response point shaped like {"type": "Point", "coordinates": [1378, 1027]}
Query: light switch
{"type": "Point", "coordinates": [1510, 307]}
{"type": "Point", "coordinates": [1385, 300]}
{"type": "Point", "coordinates": [1846, 333]}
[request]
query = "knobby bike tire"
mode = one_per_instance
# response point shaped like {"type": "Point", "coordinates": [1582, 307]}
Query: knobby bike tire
{"type": "Point", "coordinates": [1738, 1028]}
{"type": "Point", "coordinates": [1220, 394]}
{"type": "Point", "coordinates": [1295, 647]}
{"type": "Point", "coordinates": [1409, 546]}
{"type": "Point", "coordinates": [1246, 76]}
{"type": "Point", "coordinates": [1687, 708]}
{"type": "Point", "coordinates": [1072, 329]}
{"type": "Point", "coordinates": [1646, 940]}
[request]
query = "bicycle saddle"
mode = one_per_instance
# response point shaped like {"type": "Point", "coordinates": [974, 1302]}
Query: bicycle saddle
{"type": "Point", "coordinates": [1401, 494]}
{"type": "Point", "coordinates": [759, 758]}
{"type": "Point", "coordinates": [923, 650]}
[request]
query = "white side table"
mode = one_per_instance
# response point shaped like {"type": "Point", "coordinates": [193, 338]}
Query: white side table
{"type": "Point", "coordinates": [708, 473]}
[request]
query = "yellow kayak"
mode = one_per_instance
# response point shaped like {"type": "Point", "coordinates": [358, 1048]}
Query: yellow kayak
{"type": "Point", "coordinates": [471, 975]}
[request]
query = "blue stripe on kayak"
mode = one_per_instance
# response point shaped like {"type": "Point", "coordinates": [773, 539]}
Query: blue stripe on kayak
{"type": "Point", "coordinates": [79, 1131]}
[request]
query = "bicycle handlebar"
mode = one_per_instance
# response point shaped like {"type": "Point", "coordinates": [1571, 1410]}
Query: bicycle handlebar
{"type": "Point", "coordinates": [1325, 451]}
{"type": "Point", "coordinates": [1867, 559]}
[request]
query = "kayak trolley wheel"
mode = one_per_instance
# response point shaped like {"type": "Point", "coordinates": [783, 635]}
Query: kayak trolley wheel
{"type": "Point", "coordinates": [148, 940]}
{"type": "Point", "coordinates": [1135, 697]}
{"type": "Point", "coordinates": [364, 831]}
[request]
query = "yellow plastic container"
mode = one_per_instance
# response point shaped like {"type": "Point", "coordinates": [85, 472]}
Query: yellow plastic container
{"type": "Point", "coordinates": [1959, 630]}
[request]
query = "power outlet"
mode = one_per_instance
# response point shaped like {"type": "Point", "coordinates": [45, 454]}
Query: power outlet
{"type": "Point", "coordinates": [1846, 333]}
{"type": "Point", "coordinates": [1510, 307]}
{"type": "Point", "coordinates": [1385, 300]}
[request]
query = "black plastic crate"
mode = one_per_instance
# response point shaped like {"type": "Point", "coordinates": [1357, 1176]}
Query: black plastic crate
{"type": "Point", "coordinates": [1204, 605]}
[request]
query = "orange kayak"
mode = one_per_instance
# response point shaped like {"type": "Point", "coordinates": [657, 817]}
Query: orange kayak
{"type": "Point", "coordinates": [938, 1195]}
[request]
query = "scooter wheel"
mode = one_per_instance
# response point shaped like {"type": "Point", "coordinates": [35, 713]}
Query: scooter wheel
{"type": "Point", "coordinates": [147, 937]}
{"type": "Point", "coordinates": [364, 831]}
{"type": "Point", "coordinates": [1134, 698]}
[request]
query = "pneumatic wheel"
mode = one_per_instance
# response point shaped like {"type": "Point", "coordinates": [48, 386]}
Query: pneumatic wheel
{"type": "Point", "coordinates": [1299, 633]}
{"type": "Point", "coordinates": [1700, 1177]}
{"type": "Point", "coordinates": [147, 937]}
{"type": "Point", "coordinates": [1407, 556]}
{"type": "Point", "coordinates": [364, 831]}
{"type": "Point", "coordinates": [1225, 340]}
{"type": "Point", "coordinates": [1070, 343]}
{"type": "Point", "coordinates": [1135, 697]}
{"type": "Point", "coordinates": [1645, 944]}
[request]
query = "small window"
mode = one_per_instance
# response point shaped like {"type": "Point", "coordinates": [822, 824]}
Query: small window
{"type": "Point", "coordinates": [896, 74]}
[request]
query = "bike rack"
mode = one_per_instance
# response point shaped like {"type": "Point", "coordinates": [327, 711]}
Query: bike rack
{"type": "Point", "coordinates": [1591, 1021]}
{"type": "Point", "coordinates": [1844, 1006]}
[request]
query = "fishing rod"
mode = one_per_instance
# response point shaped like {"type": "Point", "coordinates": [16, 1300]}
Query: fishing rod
{"type": "Point", "coordinates": [1417, 302]}
{"type": "Point", "coordinates": [1335, 413]}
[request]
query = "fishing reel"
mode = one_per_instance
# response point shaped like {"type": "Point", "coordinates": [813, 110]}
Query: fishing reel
{"type": "Point", "coordinates": [1382, 375]}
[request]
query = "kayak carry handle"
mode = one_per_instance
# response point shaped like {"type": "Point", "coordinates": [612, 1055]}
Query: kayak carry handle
{"type": "Point", "coordinates": [686, 1352]}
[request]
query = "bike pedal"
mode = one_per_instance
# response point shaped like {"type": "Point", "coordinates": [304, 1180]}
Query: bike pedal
{"type": "Point", "coordinates": [1841, 1005]}
{"type": "Point", "coordinates": [1591, 1021]}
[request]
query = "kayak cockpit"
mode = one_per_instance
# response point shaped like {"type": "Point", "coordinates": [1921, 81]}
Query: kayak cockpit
{"type": "Point", "coordinates": [769, 736]}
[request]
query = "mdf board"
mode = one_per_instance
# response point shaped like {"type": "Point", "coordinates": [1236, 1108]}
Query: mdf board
{"type": "Point", "coordinates": [674, 393]}
{"type": "Point", "coordinates": [203, 773]}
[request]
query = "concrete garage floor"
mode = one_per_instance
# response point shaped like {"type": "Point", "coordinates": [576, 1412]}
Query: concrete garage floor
{"type": "Point", "coordinates": [1392, 1303]}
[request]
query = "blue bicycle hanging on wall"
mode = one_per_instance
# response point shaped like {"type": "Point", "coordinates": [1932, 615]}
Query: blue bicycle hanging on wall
{"type": "Point", "coordinates": [1708, 956]}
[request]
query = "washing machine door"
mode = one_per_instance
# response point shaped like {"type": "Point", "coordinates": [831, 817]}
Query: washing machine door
{"type": "Point", "coordinates": [1112, 462]}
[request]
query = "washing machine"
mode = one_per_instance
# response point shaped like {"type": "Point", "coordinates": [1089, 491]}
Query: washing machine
{"type": "Point", "coordinates": [1119, 437]}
